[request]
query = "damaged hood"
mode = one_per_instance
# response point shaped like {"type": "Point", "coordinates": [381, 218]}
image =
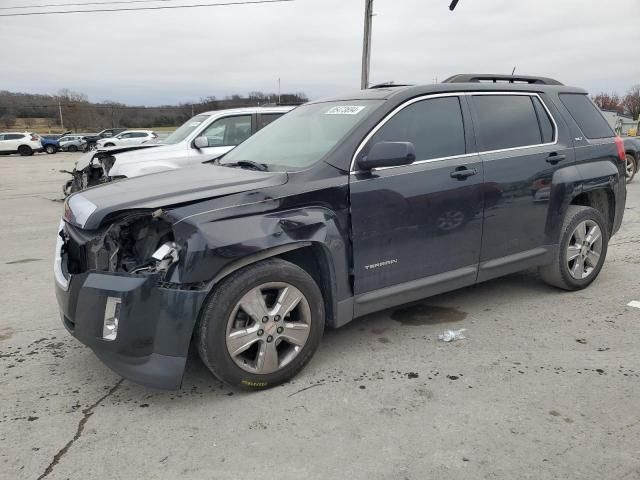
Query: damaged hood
{"type": "Point", "coordinates": [84, 161]}
{"type": "Point", "coordinates": [201, 182]}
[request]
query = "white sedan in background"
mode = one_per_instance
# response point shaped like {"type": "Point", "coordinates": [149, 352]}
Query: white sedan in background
{"type": "Point", "coordinates": [126, 138]}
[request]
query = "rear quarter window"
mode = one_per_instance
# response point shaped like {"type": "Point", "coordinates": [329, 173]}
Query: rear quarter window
{"type": "Point", "coordinates": [586, 115]}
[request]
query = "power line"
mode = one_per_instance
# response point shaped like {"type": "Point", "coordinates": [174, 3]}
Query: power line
{"type": "Point", "coordinates": [167, 7]}
{"type": "Point", "coordinates": [81, 4]}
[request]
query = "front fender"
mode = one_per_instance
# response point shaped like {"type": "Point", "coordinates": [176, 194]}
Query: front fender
{"type": "Point", "coordinates": [213, 250]}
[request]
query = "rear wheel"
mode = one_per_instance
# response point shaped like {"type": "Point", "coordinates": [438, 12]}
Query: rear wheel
{"type": "Point", "coordinates": [582, 250]}
{"type": "Point", "coordinates": [631, 167]}
{"type": "Point", "coordinates": [25, 150]}
{"type": "Point", "coordinates": [72, 148]}
{"type": "Point", "coordinates": [50, 149]}
{"type": "Point", "coordinates": [262, 325]}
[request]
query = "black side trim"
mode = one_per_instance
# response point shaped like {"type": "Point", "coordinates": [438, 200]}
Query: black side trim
{"type": "Point", "coordinates": [415, 290]}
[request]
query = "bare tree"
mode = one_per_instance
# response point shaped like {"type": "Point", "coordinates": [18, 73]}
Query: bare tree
{"type": "Point", "coordinates": [8, 120]}
{"type": "Point", "coordinates": [609, 101]}
{"type": "Point", "coordinates": [631, 102]}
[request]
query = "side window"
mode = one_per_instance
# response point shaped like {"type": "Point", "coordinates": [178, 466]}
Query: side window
{"type": "Point", "coordinates": [228, 131]}
{"type": "Point", "coordinates": [138, 134]}
{"type": "Point", "coordinates": [506, 121]}
{"type": "Point", "coordinates": [265, 119]}
{"type": "Point", "coordinates": [586, 115]}
{"type": "Point", "coordinates": [546, 127]}
{"type": "Point", "coordinates": [125, 135]}
{"type": "Point", "coordinates": [434, 126]}
{"type": "Point", "coordinates": [14, 136]}
{"type": "Point", "coordinates": [1, 137]}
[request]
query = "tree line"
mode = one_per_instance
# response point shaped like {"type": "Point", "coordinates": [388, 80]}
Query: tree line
{"type": "Point", "coordinates": [627, 104]}
{"type": "Point", "coordinates": [80, 114]}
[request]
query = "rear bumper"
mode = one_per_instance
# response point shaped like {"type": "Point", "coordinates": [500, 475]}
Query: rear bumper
{"type": "Point", "coordinates": [155, 323]}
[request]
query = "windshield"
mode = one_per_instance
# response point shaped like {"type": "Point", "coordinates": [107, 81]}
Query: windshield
{"type": "Point", "coordinates": [303, 136]}
{"type": "Point", "coordinates": [185, 130]}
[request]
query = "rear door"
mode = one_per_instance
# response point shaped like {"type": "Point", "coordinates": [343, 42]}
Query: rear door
{"type": "Point", "coordinates": [13, 141]}
{"type": "Point", "coordinates": [521, 147]}
{"type": "Point", "coordinates": [417, 228]}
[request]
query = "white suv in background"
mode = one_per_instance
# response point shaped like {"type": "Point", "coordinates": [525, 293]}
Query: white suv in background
{"type": "Point", "coordinates": [126, 138]}
{"type": "Point", "coordinates": [25, 143]}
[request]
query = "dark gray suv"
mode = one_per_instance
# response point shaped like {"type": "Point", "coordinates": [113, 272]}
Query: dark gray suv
{"type": "Point", "coordinates": [340, 208]}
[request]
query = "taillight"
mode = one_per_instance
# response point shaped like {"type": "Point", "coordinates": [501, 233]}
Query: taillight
{"type": "Point", "coordinates": [34, 138]}
{"type": "Point", "coordinates": [620, 145]}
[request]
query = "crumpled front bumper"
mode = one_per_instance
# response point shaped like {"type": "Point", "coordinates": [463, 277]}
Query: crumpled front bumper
{"type": "Point", "coordinates": [155, 323]}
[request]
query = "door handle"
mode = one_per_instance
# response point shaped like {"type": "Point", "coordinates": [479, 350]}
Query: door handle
{"type": "Point", "coordinates": [463, 172]}
{"type": "Point", "coordinates": [555, 158]}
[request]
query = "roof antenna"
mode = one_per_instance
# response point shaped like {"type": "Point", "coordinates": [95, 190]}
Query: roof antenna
{"type": "Point", "coordinates": [514, 70]}
{"type": "Point", "coordinates": [453, 5]}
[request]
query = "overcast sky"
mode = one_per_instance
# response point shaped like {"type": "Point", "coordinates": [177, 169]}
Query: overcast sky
{"type": "Point", "coordinates": [168, 56]}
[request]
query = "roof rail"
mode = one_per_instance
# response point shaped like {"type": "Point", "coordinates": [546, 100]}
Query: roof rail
{"type": "Point", "coordinates": [389, 84]}
{"type": "Point", "coordinates": [487, 77]}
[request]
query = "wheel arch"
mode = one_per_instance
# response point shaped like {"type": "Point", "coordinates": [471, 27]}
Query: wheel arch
{"type": "Point", "coordinates": [312, 257]}
{"type": "Point", "coordinates": [602, 199]}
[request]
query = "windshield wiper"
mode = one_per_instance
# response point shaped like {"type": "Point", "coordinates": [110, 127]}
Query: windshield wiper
{"type": "Point", "coordinates": [262, 167]}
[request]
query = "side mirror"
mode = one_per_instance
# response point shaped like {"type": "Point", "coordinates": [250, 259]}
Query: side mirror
{"type": "Point", "coordinates": [201, 142]}
{"type": "Point", "coordinates": [388, 154]}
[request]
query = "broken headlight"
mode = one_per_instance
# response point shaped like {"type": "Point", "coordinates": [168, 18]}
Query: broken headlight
{"type": "Point", "coordinates": [140, 242]}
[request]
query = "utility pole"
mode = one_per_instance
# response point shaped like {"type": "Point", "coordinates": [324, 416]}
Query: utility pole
{"type": "Point", "coordinates": [278, 90]}
{"type": "Point", "coordinates": [192, 114]}
{"type": "Point", "coordinates": [366, 43]}
{"type": "Point", "coordinates": [60, 112]}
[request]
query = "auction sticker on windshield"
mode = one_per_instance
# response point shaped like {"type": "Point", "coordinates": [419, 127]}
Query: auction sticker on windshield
{"type": "Point", "coordinates": [345, 110]}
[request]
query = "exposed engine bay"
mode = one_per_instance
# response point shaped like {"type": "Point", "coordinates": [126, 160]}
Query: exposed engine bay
{"type": "Point", "coordinates": [135, 243]}
{"type": "Point", "coordinates": [96, 173]}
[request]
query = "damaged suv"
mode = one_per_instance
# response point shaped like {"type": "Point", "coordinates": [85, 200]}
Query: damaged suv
{"type": "Point", "coordinates": [343, 207]}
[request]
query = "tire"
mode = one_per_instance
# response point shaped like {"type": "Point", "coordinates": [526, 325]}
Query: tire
{"type": "Point", "coordinates": [631, 167]}
{"type": "Point", "coordinates": [25, 150]}
{"type": "Point", "coordinates": [223, 311]}
{"type": "Point", "coordinates": [72, 148]}
{"type": "Point", "coordinates": [109, 144]}
{"type": "Point", "coordinates": [559, 273]}
{"type": "Point", "coordinates": [50, 149]}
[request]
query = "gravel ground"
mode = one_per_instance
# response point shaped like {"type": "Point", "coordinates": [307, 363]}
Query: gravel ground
{"type": "Point", "coordinates": [545, 385]}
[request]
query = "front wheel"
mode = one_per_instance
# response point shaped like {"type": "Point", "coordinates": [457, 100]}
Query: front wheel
{"type": "Point", "coordinates": [109, 144]}
{"type": "Point", "coordinates": [261, 325]}
{"type": "Point", "coordinates": [50, 149]}
{"type": "Point", "coordinates": [72, 148]}
{"type": "Point", "coordinates": [631, 167]}
{"type": "Point", "coordinates": [582, 250]}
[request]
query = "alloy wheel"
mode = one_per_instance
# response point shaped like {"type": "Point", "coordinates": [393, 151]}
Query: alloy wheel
{"type": "Point", "coordinates": [630, 167]}
{"type": "Point", "coordinates": [268, 327]}
{"type": "Point", "coordinates": [584, 249]}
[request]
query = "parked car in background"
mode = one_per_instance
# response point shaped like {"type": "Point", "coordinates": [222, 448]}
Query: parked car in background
{"type": "Point", "coordinates": [50, 143]}
{"type": "Point", "coordinates": [632, 152]}
{"type": "Point", "coordinates": [342, 208]}
{"type": "Point", "coordinates": [203, 138]}
{"type": "Point", "coordinates": [92, 139]}
{"type": "Point", "coordinates": [72, 143]}
{"type": "Point", "coordinates": [25, 143]}
{"type": "Point", "coordinates": [127, 138]}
